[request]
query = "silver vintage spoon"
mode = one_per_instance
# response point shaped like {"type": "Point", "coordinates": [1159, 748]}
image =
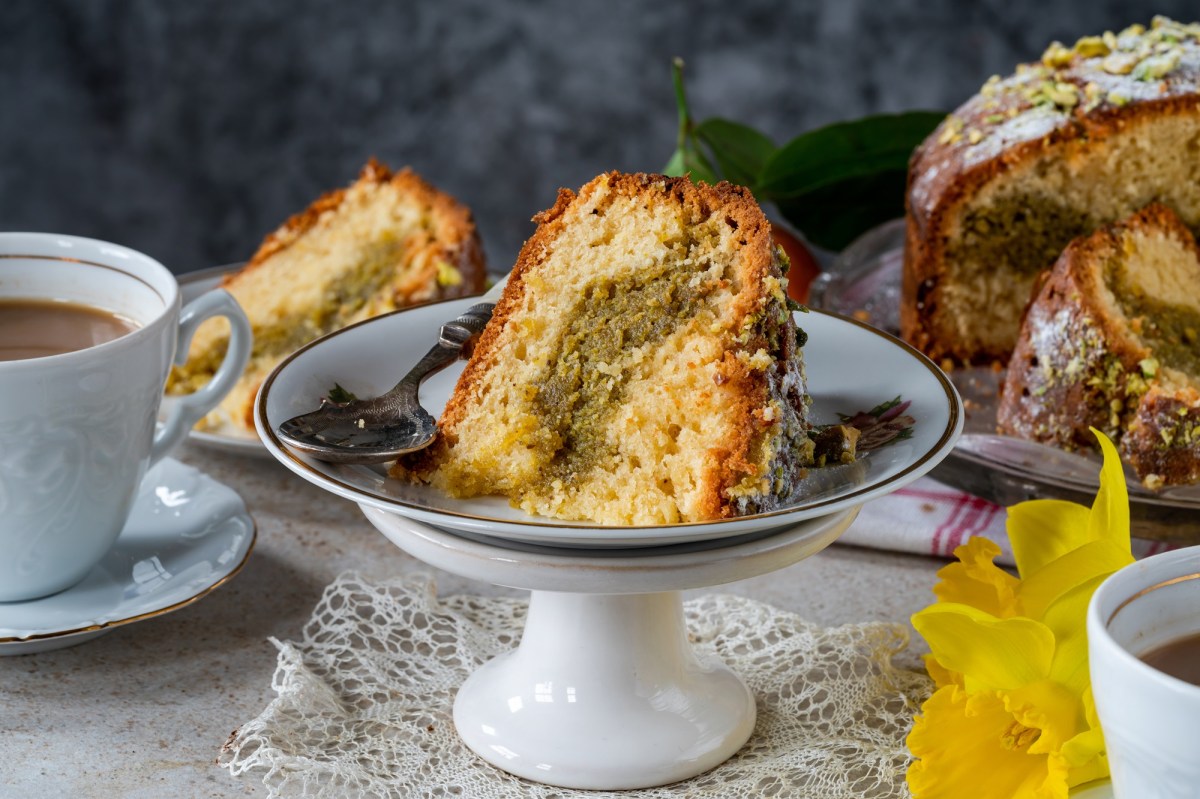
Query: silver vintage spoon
{"type": "Point", "coordinates": [394, 423]}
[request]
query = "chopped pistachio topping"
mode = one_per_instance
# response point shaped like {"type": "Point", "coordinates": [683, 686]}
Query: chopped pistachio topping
{"type": "Point", "coordinates": [1119, 63]}
{"type": "Point", "coordinates": [1157, 66]}
{"type": "Point", "coordinates": [447, 275]}
{"type": "Point", "coordinates": [1146, 54]}
{"type": "Point", "coordinates": [952, 132]}
{"type": "Point", "coordinates": [1057, 55]}
{"type": "Point", "coordinates": [1092, 47]}
{"type": "Point", "coordinates": [1063, 94]}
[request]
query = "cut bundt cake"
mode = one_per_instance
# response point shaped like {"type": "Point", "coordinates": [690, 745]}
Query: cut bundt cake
{"type": "Point", "coordinates": [387, 241]}
{"type": "Point", "coordinates": [642, 366]}
{"type": "Point", "coordinates": [1110, 341]}
{"type": "Point", "coordinates": [1085, 137]}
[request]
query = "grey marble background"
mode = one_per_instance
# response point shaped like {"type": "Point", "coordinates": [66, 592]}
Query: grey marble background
{"type": "Point", "coordinates": [190, 129]}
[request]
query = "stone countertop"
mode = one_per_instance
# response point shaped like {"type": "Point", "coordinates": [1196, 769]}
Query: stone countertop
{"type": "Point", "coordinates": [143, 711]}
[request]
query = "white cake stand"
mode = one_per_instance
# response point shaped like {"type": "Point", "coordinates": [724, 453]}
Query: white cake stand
{"type": "Point", "coordinates": [604, 690]}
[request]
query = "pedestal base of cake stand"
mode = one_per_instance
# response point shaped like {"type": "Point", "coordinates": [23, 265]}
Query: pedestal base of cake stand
{"type": "Point", "coordinates": [605, 692]}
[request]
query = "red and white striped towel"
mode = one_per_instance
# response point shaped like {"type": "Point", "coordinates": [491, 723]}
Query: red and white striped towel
{"type": "Point", "coordinates": [930, 518]}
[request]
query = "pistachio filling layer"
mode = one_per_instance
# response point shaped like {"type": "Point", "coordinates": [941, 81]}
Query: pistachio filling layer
{"type": "Point", "coordinates": [1025, 232]}
{"type": "Point", "coordinates": [584, 382]}
{"type": "Point", "coordinates": [1170, 330]}
{"type": "Point", "coordinates": [342, 301]}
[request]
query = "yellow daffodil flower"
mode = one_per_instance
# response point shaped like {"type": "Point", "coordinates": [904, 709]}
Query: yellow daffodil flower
{"type": "Point", "coordinates": [1012, 716]}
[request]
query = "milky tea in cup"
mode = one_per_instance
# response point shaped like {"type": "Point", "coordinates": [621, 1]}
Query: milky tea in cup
{"type": "Point", "coordinates": [88, 332]}
{"type": "Point", "coordinates": [38, 328]}
{"type": "Point", "coordinates": [1144, 656]}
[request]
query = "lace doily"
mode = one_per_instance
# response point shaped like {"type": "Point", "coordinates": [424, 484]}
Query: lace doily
{"type": "Point", "coordinates": [365, 701]}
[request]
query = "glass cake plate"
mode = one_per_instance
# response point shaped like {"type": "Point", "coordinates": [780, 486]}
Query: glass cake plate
{"type": "Point", "coordinates": [851, 367]}
{"type": "Point", "coordinates": [864, 283]}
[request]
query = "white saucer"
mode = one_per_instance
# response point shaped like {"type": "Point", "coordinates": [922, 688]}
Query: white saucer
{"type": "Point", "coordinates": [186, 535]}
{"type": "Point", "coordinates": [851, 367]}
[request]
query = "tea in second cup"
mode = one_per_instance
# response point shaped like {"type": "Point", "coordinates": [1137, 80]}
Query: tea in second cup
{"type": "Point", "coordinates": [88, 331]}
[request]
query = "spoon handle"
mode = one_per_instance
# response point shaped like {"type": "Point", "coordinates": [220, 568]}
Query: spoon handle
{"type": "Point", "coordinates": [452, 337]}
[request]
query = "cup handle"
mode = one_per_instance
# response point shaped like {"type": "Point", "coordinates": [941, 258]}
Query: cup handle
{"type": "Point", "coordinates": [188, 409]}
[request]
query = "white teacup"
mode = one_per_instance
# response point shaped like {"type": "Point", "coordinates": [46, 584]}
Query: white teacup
{"type": "Point", "coordinates": [77, 429]}
{"type": "Point", "coordinates": [1151, 720]}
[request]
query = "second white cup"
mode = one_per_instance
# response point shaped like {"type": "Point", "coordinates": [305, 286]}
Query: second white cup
{"type": "Point", "coordinates": [1151, 720]}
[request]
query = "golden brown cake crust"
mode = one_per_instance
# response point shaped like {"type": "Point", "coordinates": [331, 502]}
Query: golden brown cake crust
{"type": "Point", "coordinates": [724, 466]}
{"type": "Point", "coordinates": [1067, 108]}
{"type": "Point", "coordinates": [454, 225]}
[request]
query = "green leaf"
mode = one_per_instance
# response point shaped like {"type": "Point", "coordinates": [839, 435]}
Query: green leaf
{"type": "Point", "coordinates": [698, 166]}
{"type": "Point", "coordinates": [741, 152]}
{"type": "Point", "coordinates": [340, 396]}
{"type": "Point", "coordinates": [675, 167]}
{"type": "Point", "coordinates": [835, 215]}
{"type": "Point", "coordinates": [842, 152]}
{"type": "Point", "coordinates": [688, 157]}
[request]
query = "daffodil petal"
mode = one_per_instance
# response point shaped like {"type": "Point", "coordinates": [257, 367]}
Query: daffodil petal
{"type": "Point", "coordinates": [1084, 749]}
{"type": "Point", "coordinates": [989, 652]}
{"type": "Point", "coordinates": [1085, 753]}
{"type": "Point", "coordinates": [1066, 619]}
{"type": "Point", "coordinates": [1095, 769]}
{"type": "Point", "coordinates": [1053, 709]}
{"type": "Point", "coordinates": [1073, 569]}
{"type": "Point", "coordinates": [941, 675]}
{"type": "Point", "coordinates": [977, 581]}
{"type": "Point", "coordinates": [964, 747]}
{"type": "Point", "coordinates": [1043, 530]}
{"type": "Point", "coordinates": [1109, 519]}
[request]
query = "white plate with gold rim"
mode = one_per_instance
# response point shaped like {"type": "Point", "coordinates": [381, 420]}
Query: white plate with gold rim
{"type": "Point", "coordinates": [851, 367]}
{"type": "Point", "coordinates": [186, 535]}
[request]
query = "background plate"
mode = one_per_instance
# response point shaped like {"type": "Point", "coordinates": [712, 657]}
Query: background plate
{"type": "Point", "coordinates": [851, 367]}
{"type": "Point", "coordinates": [864, 282]}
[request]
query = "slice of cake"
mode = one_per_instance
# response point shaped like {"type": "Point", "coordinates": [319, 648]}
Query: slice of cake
{"type": "Point", "coordinates": [1083, 138]}
{"type": "Point", "coordinates": [1111, 341]}
{"type": "Point", "coordinates": [1162, 441]}
{"type": "Point", "coordinates": [387, 241]}
{"type": "Point", "coordinates": [642, 366]}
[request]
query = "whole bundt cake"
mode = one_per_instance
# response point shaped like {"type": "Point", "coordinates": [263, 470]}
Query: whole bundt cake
{"type": "Point", "coordinates": [1085, 137]}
